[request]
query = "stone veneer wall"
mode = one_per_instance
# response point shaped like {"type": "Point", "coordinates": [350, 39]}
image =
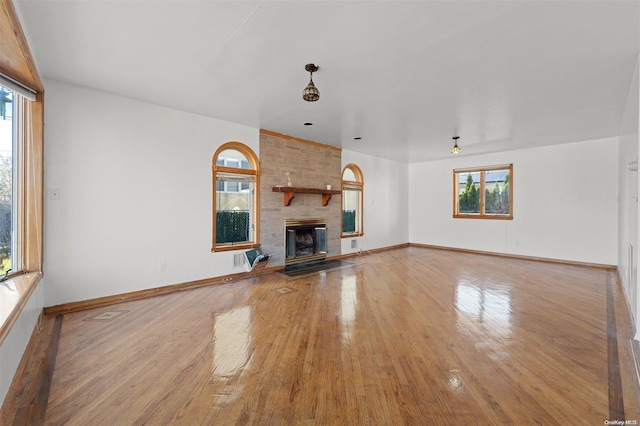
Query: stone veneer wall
{"type": "Point", "coordinates": [311, 165]}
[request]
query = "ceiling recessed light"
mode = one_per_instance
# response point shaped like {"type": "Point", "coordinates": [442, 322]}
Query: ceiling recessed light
{"type": "Point", "coordinates": [308, 124]}
{"type": "Point", "coordinates": [357, 138]}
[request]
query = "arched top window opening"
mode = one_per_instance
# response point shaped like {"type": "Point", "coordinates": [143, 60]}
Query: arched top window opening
{"type": "Point", "coordinates": [236, 155]}
{"type": "Point", "coordinates": [352, 175]}
{"type": "Point", "coordinates": [352, 201]}
{"type": "Point", "coordinates": [236, 173]}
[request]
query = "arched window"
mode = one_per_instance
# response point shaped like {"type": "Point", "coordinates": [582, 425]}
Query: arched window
{"type": "Point", "coordinates": [236, 180]}
{"type": "Point", "coordinates": [352, 188]}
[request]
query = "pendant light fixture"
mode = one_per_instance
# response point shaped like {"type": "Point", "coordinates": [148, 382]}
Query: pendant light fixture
{"type": "Point", "coordinates": [310, 93]}
{"type": "Point", "coordinates": [456, 149]}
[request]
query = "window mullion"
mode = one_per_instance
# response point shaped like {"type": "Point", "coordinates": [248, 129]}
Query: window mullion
{"type": "Point", "coordinates": [482, 197]}
{"type": "Point", "coordinates": [234, 170]}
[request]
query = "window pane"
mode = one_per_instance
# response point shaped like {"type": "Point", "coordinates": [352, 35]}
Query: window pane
{"type": "Point", "coordinates": [233, 158]}
{"type": "Point", "coordinates": [496, 192]}
{"type": "Point", "coordinates": [233, 209]}
{"type": "Point", "coordinates": [468, 192]}
{"type": "Point", "coordinates": [7, 143]}
{"type": "Point", "coordinates": [350, 203]}
{"type": "Point", "coordinates": [483, 192]}
{"type": "Point", "coordinates": [349, 175]}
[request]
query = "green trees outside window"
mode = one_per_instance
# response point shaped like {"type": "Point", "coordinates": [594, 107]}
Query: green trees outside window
{"type": "Point", "coordinates": [469, 199]}
{"type": "Point", "coordinates": [483, 192]}
{"type": "Point", "coordinates": [497, 200]}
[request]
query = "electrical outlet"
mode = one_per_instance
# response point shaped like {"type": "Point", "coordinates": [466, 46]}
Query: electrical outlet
{"type": "Point", "coordinates": [162, 266]}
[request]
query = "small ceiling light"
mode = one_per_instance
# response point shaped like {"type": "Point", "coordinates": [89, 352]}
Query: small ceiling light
{"type": "Point", "coordinates": [310, 93]}
{"type": "Point", "coordinates": [357, 138]}
{"type": "Point", "coordinates": [456, 149]}
{"type": "Point", "coordinates": [308, 124]}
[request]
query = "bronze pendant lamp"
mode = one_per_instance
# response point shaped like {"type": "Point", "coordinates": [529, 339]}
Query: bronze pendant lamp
{"type": "Point", "coordinates": [310, 93]}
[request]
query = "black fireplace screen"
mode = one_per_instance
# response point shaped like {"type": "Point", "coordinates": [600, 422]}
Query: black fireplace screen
{"type": "Point", "coordinates": [306, 240]}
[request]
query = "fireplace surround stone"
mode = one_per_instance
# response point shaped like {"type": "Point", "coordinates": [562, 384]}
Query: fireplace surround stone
{"type": "Point", "coordinates": [310, 165]}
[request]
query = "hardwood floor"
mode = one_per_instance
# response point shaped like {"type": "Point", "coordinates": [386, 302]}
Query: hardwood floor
{"type": "Point", "coordinates": [409, 336]}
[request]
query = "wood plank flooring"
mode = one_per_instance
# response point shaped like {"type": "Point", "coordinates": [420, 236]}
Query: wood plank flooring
{"type": "Point", "coordinates": [411, 336]}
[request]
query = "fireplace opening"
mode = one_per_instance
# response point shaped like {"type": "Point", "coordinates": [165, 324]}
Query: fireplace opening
{"type": "Point", "coordinates": [305, 241]}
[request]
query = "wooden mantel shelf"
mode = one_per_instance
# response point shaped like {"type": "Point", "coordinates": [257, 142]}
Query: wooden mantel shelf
{"type": "Point", "coordinates": [289, 192]}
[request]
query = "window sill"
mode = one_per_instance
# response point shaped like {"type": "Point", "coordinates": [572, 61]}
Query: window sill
{"type": "Point", "coordinates": [355, 234]}
{"type": "Point", "coordinates": [231, 247]}
{"type": "Point", "coordinates": [485, 216]}
{"type": "Point", "coordinates": [14, 295]}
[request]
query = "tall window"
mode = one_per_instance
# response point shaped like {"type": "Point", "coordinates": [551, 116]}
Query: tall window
{"type": "Point", "coordinates": [236, 174]}
{"type": "Point", "coordinates": [352, 184]}
{"type": "Point", "coordinates": [8, 173]}
{"type": "Point", "coordinates": [483, 192]}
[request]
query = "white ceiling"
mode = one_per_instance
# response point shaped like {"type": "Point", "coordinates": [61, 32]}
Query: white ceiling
{"type": "Point", "coordinates": [405, 76]}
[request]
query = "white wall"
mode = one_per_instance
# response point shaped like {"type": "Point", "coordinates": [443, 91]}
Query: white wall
{"type": "Point", "coordinates": [135, 191]}
{"type": "Point", "coordinates": [628, 197]}
{"type": "Point", "coordinates": [385, 202]}
{"type": "Point", "coordinates": [564, 200]}
{"type": "Point", "coordinates": [16, 341]}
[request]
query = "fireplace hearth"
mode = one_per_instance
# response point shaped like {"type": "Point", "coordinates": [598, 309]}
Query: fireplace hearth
{"type": "Point", "coordinates": [305, 241]}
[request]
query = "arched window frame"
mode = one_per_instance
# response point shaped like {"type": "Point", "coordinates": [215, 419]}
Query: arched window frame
{"type": "Point", "coordinates": [356, 185]}
{"type": "Point", "coordinates": [254, 171]}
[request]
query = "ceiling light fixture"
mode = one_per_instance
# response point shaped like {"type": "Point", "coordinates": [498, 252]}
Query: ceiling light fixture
{"type": "Point", "coordinates": [310, 93]}
{"type": "Point", "coordinates": [456, 149]}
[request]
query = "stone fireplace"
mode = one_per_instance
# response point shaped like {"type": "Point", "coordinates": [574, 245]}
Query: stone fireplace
{"type": "Point", "coordinates": [309, 165]}
{"type": "Point", "coordinates": [305, 241]}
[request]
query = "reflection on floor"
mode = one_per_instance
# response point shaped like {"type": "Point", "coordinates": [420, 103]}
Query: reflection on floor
{"type": "Point", "coordinates": [409, 336]}
{"type": "Point", "coordinates": [294, 271]}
